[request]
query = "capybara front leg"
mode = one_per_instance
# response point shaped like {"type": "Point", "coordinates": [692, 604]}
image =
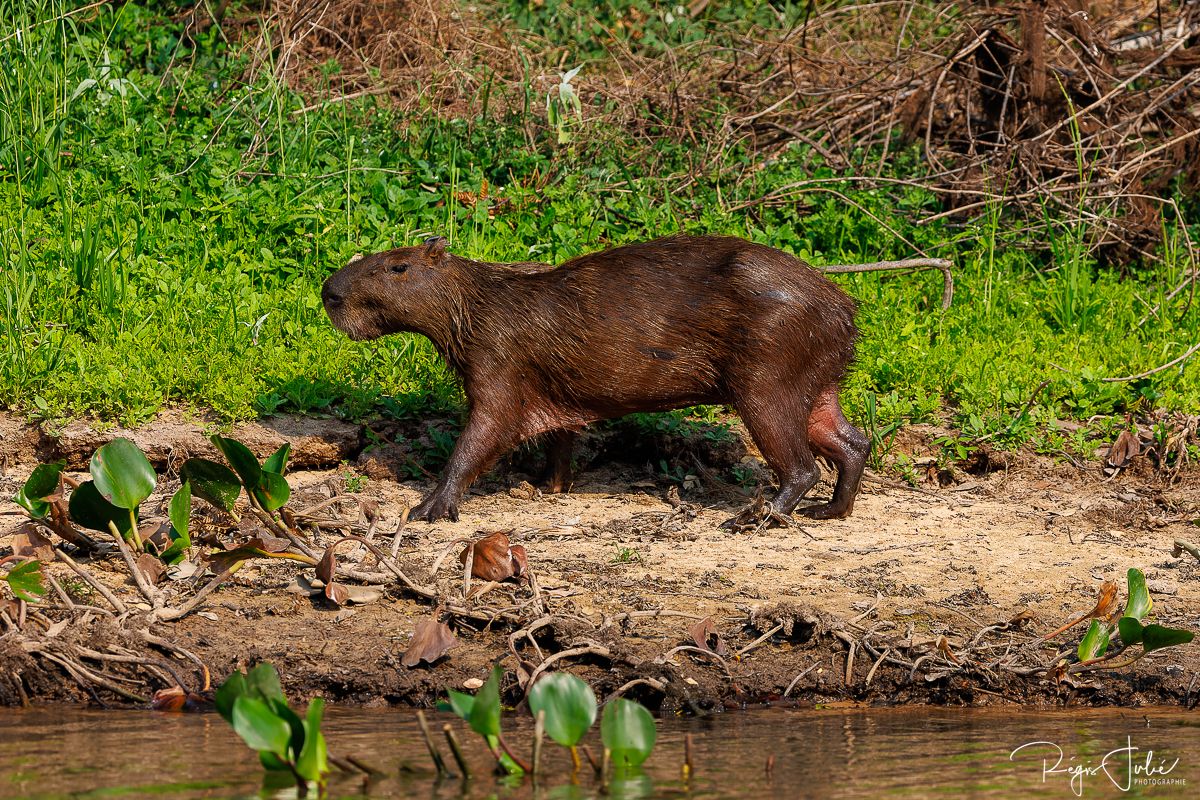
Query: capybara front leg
{"type": "Point", "coordinates": [487, 437]}
{"type": "Point", "coordinates": [559, 445]}
{"type": "Point", "coordinates": [831, 435]}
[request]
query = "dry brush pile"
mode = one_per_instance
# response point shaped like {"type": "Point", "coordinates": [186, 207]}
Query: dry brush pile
{"type": "Point", "coordinates": [1085, 111]}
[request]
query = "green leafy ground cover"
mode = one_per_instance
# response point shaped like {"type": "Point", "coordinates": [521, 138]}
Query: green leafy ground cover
{"type": "Point", "coordinates": [165, 226]}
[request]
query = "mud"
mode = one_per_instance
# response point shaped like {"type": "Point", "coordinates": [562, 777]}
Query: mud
{"type": "Point", "coordinates": [1031, 543]}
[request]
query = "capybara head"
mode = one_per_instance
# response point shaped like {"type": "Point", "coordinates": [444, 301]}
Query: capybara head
{"type": "Point", "coordinates": [406, 289]}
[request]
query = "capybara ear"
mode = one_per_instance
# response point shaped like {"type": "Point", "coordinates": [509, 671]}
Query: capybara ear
{"type": "Point", "coordinates": [435, 247]}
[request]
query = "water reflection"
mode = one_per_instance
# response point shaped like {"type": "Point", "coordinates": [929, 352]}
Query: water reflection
{"type": "Point", "coordinates": [54, 753]}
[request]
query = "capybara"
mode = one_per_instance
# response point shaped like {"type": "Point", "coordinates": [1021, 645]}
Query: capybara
{"type": "Point", "coordinates": [675, 322]}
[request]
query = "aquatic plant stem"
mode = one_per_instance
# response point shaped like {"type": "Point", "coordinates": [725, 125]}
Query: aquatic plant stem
{"type": "Point", "coordinates": [456, 751]}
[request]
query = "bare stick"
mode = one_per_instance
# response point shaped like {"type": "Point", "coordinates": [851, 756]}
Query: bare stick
{"type": "Point", "coordinates": [1181, 546]}
{"type": "Point", "coordinates": [796, 679]}
{"type": "Point", "coordinates": [1150, 372]}
{"type": "Point", "coordinates": [760, 640]}
{"type": "Point", "coordinates": [172, 614]}
{"type": "Point", "coordinates": [909, 264]}
{"type": "Point", "coordinates": [139, 580]}
{"type": "Point", "coordinates": [95, 584]}
{"type": "Point", "coordinates": [433, 751]}
{"type": "Point", "coordinates": [539, 731]}
{"type": "Point", "coordinates": [456, 750]}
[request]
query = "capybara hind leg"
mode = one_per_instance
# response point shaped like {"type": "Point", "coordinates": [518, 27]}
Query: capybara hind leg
{"type": "Point", "coordinates": [557, 477]}
{"type": "Point", "coordinates": [781, 436]}
{"type": "Point", "coordinates": [831, 435]}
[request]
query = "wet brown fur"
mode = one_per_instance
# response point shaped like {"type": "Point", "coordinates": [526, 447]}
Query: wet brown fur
{"type": "Point", "coordinates": [674, 322]}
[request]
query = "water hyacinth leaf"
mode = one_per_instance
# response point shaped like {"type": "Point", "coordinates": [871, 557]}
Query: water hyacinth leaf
{"type": "Point", "coordinates": [1094, 643]}
{"type": "Point", "coordinates": [485, 712]}
{"type": "Point", "coordinates": [263, 681]}
{"type": "Point", "coordinates": [1139, 603]}
{"type": "Point", "coordinates": [277, 461]}
{"type": "Point", "coordinates": [122, 473]}
{"type": "Point", "coordinates": [241, 459]}
{"type": "Point", "coordinates": [313, 761]}
{"type": "Point", "coordinates": [42, 483]}
{"type": "Point", "coordinates": [569, 703]}
{"type": "Point", "coordinates": [26, 582]}
{"type": "Point", "coordinates": [180, 510]}
{"type": "Point", "coordinates": [628, 732]}
{"type": "Point", "coordinates": [272, 492]}
{"type": "Point", "coordinates": [227, 693]}
{"type": "Point", "coordinates": [89, 509]}
{"type": "Point", "coordinates": [1156, 637]}
{"type": "Point", "coordinates": [210, 481]}
{"type": "Point", "coordinates": [260, 727]}
{"type": "Point", "coordinates": [459, 703]}
{"type": "Point", "coordinates": [1131, 630]}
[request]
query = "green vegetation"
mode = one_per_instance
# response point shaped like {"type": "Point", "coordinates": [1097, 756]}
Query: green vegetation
{"type": "Point", "coordinates": [1133, 630]}
{"type": "Point", "coordinates": [254, 704]}
{"type": "Point", "coordinates": [166, 223]}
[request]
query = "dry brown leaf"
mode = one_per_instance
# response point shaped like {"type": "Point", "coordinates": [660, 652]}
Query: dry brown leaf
{"type": "Point", "coordinates": [29, 542]}
{"type": "Point", "coordinates": [1123, 450]}
{"type": "Point", "coordinates": [152, 568]}
{"type": "Point", "coordinates": [1107, 601]}
{"type": "Point", "coordinates": [495, 559]}
{"type": "Point", "coordinates": [327, 566]}
{"type": "Point", "coordinates": [337, 593]}
{"type": "Point", "coordinates": [430, 641]}
{"type": "Point", "coordinates": [706, 636]}
{"type": "Point", "coordinates": [176, 699]}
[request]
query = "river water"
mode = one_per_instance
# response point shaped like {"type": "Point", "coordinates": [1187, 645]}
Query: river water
{"type": "Point", "coordinates": [859, 753]}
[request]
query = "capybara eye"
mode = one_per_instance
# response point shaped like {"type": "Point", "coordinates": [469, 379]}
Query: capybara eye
{"type": "Point", "coordinates": [399, 268]}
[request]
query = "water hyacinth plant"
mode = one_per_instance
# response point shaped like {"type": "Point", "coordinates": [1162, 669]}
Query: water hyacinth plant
{"type": "Point", "coordinates": [1133, 630]}
{"type": "Point", "coordinates": [254, 704]}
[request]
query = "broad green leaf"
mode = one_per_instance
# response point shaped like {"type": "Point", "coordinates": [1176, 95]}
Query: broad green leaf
{"type": "Point", "coordinates": [1139, 603]}
{"type": "Point", "coordinates": [25, 580]}
{"type": "Point", "coordinates": [180, 510]}
{"type": "Point", "coordinates": [260, 727]}
{"type": "Point", "coordinates": [42, 483]}
{"type": "Point", "coordinates": [277, 461]}
{"type": "Point", "coordinates": [214, 482]}
{"type": "Point", "coordinates": [122, 473]}
{"type": "Point", "coordinates": [272, 492]}
{"type": "Point", "coordinates": [263, 682]}
{"type": "Point", "coordinates": [485, 711]}
{"type": "Point", "coordinates": [1156, 637]}
{"type": "Point", "coordinates": [1131, 630]}
{"type": "Point", "coordinates": [1094, 643]}
{"type": "Point", "coordinates": [241, 459]}
{"type": "Point", "coordinates": [569, 703]}
{"type": "Point", "coordinates": [313, 761]}
{"type": "Point", "coordinates": [459, 703]}
{"type": "Point", "coordinates": [628, 732]}
{"type": "Point", "coordinates": [234, 687]}
{"type": "Point", "coordinates": [89, 509]}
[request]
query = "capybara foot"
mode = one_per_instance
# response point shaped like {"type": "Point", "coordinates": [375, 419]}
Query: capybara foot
{"type": "Point", "coordinates": [826, 511]}
{"type": "Point", "coordinates": [436, 507]}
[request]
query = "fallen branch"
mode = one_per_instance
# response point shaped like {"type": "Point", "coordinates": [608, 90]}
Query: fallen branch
{"type": "Point", "coordinates": [911, 264]}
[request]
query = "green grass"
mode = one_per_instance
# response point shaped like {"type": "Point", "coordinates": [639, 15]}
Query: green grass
{"type": "Point", "coordinates": [165, 229]}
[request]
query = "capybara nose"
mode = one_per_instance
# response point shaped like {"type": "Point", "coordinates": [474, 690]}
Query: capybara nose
{"type": "Point", "coordinates": [330, 296]}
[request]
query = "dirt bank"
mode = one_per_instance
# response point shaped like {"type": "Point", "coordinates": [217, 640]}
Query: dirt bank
{"type": "Point", "coordinates": [930, 596]}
